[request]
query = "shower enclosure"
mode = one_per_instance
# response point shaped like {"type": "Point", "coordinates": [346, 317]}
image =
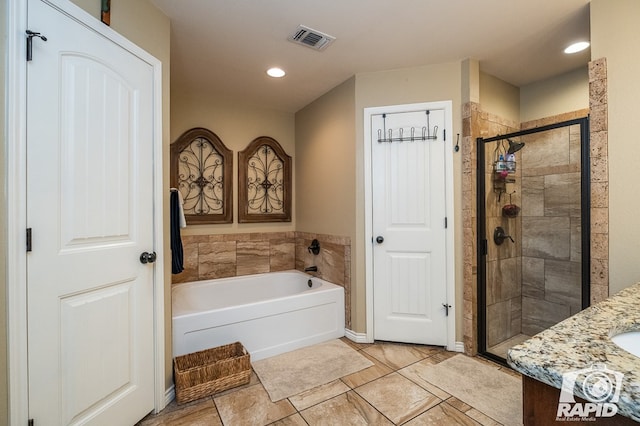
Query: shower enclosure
{"type": "Point", "coordinates": [533, 232]}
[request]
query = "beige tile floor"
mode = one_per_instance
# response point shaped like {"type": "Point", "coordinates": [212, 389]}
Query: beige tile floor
{"type": "Point", "coordinates": [391, 392]}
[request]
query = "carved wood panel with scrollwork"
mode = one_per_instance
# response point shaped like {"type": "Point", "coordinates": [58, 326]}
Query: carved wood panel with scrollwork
{"type": "Point", "coordinates": [202, 170]}
{"type": "Point", "coordinates": [264, 182]}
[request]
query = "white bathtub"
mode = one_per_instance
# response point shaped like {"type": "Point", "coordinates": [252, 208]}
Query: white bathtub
{"type": "Point", "coordinates": [268, 313]}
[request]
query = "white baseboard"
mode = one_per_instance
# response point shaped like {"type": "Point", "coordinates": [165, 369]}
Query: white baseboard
{"type": "Point", "coordinates": [169, 395]}
{"type": "Point", "coordinates": [355, 337]}
{"type": "Point", "coordinates": [362, 338]}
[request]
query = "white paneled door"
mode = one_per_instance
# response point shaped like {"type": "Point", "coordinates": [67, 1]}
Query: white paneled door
{"type": "Point", "coordinates": [408, 224]}
{"type": "Point", "coordinates": [90, 208]}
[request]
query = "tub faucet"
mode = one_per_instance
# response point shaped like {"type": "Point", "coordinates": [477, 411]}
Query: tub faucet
{"type": "Point", "coordinates": [311, 269]}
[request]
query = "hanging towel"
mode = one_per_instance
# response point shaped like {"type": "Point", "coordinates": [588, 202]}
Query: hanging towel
{"type": "Point", "coordinates": [177, 255]}
{"type": "Point", "coordinates": [183, 220]}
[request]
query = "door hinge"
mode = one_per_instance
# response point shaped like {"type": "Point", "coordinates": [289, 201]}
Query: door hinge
{"type": "Point", "coordinates": [444, 134]}
{"type": "Point", "coordinates": [30, 36]}
{"type": "Point", "coordinates": [30, 422]}
{"type": "Point", "coordinates": [28, 239]}
{"type": "Point", "coordinates": [445, 223]}
{"type": "Point", "coordinates": [446, 308]}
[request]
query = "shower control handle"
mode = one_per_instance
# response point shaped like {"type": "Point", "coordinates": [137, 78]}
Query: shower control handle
{"type": "Point", "coordinates": [499, 235]}
{"type": "Point", "coordinates": [147, 257]}
{"type": "Point", "coordinates": [379, 239]}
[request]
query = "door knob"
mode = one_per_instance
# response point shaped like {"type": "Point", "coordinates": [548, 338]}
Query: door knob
{"type": "Point", "coordinates": [147, 257]}
{"type": "Point", "coordinates": [379, 239]}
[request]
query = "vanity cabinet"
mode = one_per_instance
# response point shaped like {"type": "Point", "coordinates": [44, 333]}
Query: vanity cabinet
{"type": "Point", "coordinates": [540, 405]}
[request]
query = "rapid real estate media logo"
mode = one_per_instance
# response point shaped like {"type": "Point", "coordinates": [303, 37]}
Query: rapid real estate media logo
{"type": "Point", "coordinates": [599, 385]}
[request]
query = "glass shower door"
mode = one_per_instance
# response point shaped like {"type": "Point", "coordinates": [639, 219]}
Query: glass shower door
{"type": "Point", "coordinates": [533, 232]}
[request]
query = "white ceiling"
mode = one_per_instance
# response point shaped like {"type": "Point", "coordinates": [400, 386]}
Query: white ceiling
{"type": "Point", "coordinates": [223, 47]}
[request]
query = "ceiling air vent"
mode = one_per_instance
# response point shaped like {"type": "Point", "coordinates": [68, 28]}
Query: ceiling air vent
{"type": "Point", "coordinates": [311, 38]}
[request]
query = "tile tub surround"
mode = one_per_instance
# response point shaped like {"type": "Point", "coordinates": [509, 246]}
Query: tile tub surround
{"type": "Point", "coordinates": [333, 262]}
{"type": "Point", "coordinates": [583, 340]}
{"type": "Point", "coordinates": [229, 255]}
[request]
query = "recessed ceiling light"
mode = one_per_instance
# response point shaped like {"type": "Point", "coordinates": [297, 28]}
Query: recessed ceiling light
{"type": "Point", "coordinates": [276, 72]}
{"type": "Point", "coordinates": [577, 47]}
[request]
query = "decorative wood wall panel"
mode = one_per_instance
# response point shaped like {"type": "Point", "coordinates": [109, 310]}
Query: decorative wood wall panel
{"type": "Point", "coordinates": [264, 182]}
{"type": "Point", "coordinates": [202, 170]}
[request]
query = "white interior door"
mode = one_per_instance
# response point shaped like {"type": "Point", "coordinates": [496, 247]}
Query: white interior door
{"type": "Point", "coordinates": [90, 208]}
{"type": "Point", "coordinates": [408, 223]}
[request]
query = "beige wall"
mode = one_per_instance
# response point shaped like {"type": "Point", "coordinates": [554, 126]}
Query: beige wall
{"type": "Point", "coordinates": [330, 145]}
{"type": "Point", "coordinates": [325, 155]}
{"type": "Point", "coordinates": [554, 96]}
{"type": "Point", "coordinates": [236, 124]}
{"type": "Point", "coordinates": [421, 84]}
{"type": "Point", "coordinates": [91, 6]}
{"type": "Point", "coordinates": [470, 75]}
{"type": "Point", "coordinates": [614, 29]}
{"type": "Point", "coordinates": [499, 97]}
{"type": "Point", "coordinates": [325, 172]}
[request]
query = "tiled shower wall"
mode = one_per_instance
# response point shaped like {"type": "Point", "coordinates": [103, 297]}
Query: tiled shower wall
{"type": "Point", "coordinates": [504, 261]}
{"type": "Point", "coordinates": [229, 255]}
{"type": "Point", "coordinates": [477, 123]}
{"type": "Point", "coordinates": [551, 228]}
{"type": "Point", "coordinates": [536, 282]}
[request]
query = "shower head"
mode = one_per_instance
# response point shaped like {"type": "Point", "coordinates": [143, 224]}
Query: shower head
{"type": "Point", "coordinates": [514, 146]}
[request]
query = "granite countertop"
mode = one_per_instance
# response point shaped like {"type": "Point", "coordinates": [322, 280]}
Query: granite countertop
{"type": "Point", "coordinates": [583, 340]}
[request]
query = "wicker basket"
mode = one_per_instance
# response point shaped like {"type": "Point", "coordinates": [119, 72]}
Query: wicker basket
{"type": "Point", "coordinates": [210, 371]}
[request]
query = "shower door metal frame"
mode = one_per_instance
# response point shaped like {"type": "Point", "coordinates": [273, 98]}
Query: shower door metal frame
{"type": "Point", "coordinates": [482, 243]}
